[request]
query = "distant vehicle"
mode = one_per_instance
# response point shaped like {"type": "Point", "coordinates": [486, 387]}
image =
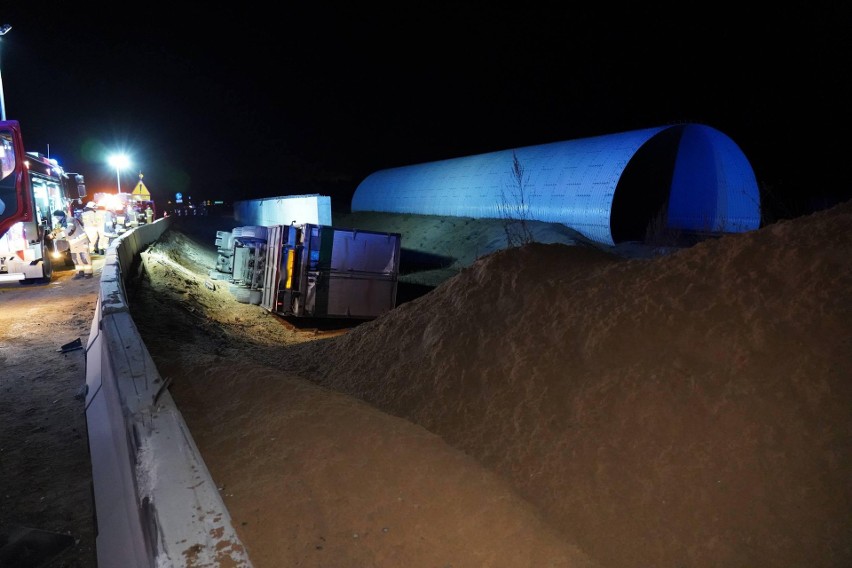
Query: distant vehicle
{"type": "Point", "coordinates": [32, 187]}
{"type": "Point", "coordinates": [128, 210]}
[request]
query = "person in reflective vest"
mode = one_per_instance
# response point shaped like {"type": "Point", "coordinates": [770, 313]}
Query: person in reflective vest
{"type": "Point", "coordinates": [90, 224]}
{"type": "Point", "coordinates": [71, 235]}
{"type": "Point", "coordinates": [104, 223]}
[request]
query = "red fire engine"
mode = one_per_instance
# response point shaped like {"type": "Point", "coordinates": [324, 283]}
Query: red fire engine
{"type": "Point", "coordinates": [31, 188]}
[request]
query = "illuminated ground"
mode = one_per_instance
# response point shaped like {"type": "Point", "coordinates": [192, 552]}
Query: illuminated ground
{"type": "Point", "coordinates": [45, 473]}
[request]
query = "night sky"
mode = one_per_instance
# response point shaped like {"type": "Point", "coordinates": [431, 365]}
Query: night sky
{"type": "Point", "coordinates": [245, 102]}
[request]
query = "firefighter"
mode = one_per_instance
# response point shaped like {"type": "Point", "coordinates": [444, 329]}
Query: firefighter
{"type": "Point", "coordinates": [90, 224]}
{"type": "Point", "coordinates": [149, 215]}
{"type": "Point", "coordinates": [104, 223]}
{"type": "Point", "coordinates": [120, 220]}
{"type": "Point", "coordinates": [72, 234]}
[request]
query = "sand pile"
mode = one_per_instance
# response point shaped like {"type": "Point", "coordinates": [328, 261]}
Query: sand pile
{"type": "Point", "coordinates": [689, 410]}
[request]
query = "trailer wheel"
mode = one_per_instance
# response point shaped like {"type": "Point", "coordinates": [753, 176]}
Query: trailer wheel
{"type": "Point", "coordinates": [240, 293]}
{"type": "Point", "coordinates": [246, 295]}
{"type": "Point", "coordinates": [255, 296]}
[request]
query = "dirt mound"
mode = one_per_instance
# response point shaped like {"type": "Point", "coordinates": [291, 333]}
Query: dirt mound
{"type": "Point", "coordinates": [687, 410]}
{"type": "Point", "coordinates": [312, 477]}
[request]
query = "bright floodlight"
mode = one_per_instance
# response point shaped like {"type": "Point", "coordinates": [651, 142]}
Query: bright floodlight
{"type": "Point", "coordinates": [119, 162]}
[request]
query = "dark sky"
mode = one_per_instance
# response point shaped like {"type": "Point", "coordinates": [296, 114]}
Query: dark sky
{"type": "Point", "coordinates": [248, 102]}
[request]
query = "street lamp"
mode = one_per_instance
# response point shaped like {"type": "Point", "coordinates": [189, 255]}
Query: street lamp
{"type": "Point", "coordinates": [4, 29]}
{"type": "Point", "coordinates": [119, 162]}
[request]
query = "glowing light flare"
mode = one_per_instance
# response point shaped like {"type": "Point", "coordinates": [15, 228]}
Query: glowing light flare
{"type": "Point", "coordinates": [110, 201]}
{"type": "Point", "coordinates": [119, 162]}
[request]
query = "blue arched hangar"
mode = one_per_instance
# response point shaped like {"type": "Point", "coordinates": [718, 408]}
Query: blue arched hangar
{"type": "Point", "coordinates": [611, 188]}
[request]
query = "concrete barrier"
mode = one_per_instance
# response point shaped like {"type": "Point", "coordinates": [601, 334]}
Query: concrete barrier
{"type": "Point", "coordinates": [156, 503]}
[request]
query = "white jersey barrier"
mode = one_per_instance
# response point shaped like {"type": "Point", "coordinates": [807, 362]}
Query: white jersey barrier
{"type": "Point", "coordinates": [156, 503]}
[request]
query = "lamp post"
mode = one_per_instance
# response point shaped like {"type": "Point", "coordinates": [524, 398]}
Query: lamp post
{"type": "Point", "coordinates": [119, 161]}
{"type": "Point", "coordinates": [4, 29]}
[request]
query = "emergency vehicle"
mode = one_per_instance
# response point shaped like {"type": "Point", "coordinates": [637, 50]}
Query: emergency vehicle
{"type": "Point", "coordinates": [32, 187]}
{"type": "Point", "coordinates": [128, 210]}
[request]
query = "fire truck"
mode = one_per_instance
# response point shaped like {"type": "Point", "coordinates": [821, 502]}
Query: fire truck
{"type": "Point", "coordinates": [32, 187]}
{"type": "Point", "coordinates": [128, 210]}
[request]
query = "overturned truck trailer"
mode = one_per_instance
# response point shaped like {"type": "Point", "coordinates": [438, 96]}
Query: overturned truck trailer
{"type": "Point", "coordinates": [313, 270]}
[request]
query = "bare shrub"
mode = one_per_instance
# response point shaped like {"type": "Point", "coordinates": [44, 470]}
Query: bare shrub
{"type": "Point", "coordinates": [514, 207]}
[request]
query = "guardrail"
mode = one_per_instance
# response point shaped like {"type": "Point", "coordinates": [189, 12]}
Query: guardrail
{"type": "Point", "coordinates": [156, 504]}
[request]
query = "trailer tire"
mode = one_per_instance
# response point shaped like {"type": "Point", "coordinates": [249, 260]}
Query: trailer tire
{"type": "Point", "coordinates": [240, 293]}
{"type": "Point", "coordinates": [255, 296]}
